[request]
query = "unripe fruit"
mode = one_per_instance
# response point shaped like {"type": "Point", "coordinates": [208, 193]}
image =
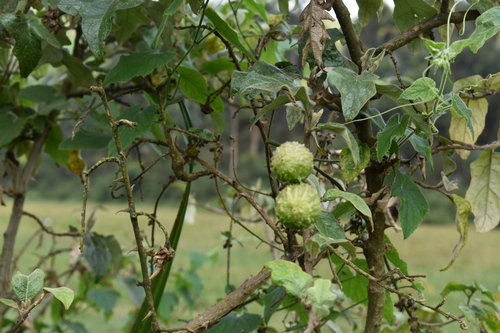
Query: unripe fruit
{"type": "Point", "coordinates": [292, 162]}
{"type": "Point", "coordinates": [298, 206]}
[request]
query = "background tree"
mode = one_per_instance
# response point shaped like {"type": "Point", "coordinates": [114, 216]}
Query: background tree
{"type": "Point", "coordinates": [175, 85]}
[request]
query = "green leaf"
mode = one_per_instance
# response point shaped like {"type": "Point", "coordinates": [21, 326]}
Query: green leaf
{"type": "Point", "coordinates": [328, 225]}
{"type": "Point", "coordinates": [11, 127]}
{"type": "Point", "coordinates": [349, 169]}
{"type": "Point", "coordinates": [487, 26]}
{"type": "Point", "coordinates": [266, 79]}
{"type": "Point", "coordinates": [223, 28]}
{"type": "Point", "coordinates": [78, 74]}
{"type": "Point", "coordinates": [394, 129]}
{"type": "Point", "coordinates": [355, 89]}
{"type": "Point", "coordinates": [392, 255]}
{"type": "Point", "coordinates": [272, 300]}
{"type": "Point", "coordinates": [38, 93]}
{"type": "Point", "coordinates": [484, 190]}
{"type": "Point", "coordinates": [470, 316]}
{"type": "Point", "coordinates": [26, 287]}
{"type": "Point", "coordinates": [216, 66]}
{"type": "Point", "coordinates": [459, 125]}
{"type": "Point", "coordinates": [414, 206]}
{"type": "Point", "coordinates": [423, 88]}
{"type": "Point", "coordinates": [235, 322]}
{"type": "Point", "coordinates": [28, 47]}
{"type": "Point", "coordinates": [453, 287]}
{"type": "Point", "coordinates": [320, 297]}
{"type": "Point", "coordinates": [313, 248]}
{"type": "Point", "coordinates": [115, 250]}
{"type": "Point", "coordinates": [481, 5]}
{"type": "Point", "coordinates": [9, 303]}
{"type": "Point", "coordinates": [463, 111]}
{"type": "Point", "coordinates": [86, 140]}
{"type": "Point", "coordinates": [388, 313]}
{"type": "Point", "coordinates": [290, 276]}
{"type": "Point", "coordinates": [104, 298]}
{"type": "Point", "coordinates": [354, 199]}
{"type": "Point", "coordinates": [96, 18]}
{"type": "Point", "coordinates": [65, 295]}
{"type": "Point", "coordinates": [278, 101]}
{"type": "Point", "coordinates": [462, 223]}
{"type": "Point", "coordinates": [409, 13]}
{"type": "Point", "coordinates": [174, 6]}
{"type": "Point", "coordinates": [137, 64]}
{"type": "Point", "coordinates": [346, 134]}
{"type": "Point", "coordinates": [421, 145]}
{"type": "Point", "coordinates": [97, 255]}
{"type": "Point", "coordinates": [52, 143]}
{"type": "Point", "coordinates": [368, 9]}
{"type": "Point", "coordinates": [144, 120]}
{"type": "Point", "coordinates": [193, 84]}
{"type": "Point", "coordinates": [355, 286]}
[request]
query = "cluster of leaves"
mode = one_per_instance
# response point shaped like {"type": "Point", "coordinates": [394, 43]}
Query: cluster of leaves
{"type": "Point", "coordinates": [128, 75]}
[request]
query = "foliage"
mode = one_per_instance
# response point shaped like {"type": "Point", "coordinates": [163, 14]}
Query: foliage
{"type": "Point", "coordinates": [166, 87]}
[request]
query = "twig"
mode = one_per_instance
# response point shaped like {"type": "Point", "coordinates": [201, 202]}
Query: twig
{"type": "Point", "coordinates": [463, 324]}
{"type": "Point", "coordinates": [44, 228]}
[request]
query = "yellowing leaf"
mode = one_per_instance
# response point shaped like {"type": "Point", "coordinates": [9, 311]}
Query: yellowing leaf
{"type": "Point", "coordinates": [458, 124]}
{"type": "Point", "coordinates": [484, 190]}
{"type": "Point", "coordinates": [462, 223]}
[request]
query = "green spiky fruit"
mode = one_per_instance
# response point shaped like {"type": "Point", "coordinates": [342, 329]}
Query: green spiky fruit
{"type": "Point", "coordinates": [298, 206]}
{"type": "Point", "coordinates": [292, 162]}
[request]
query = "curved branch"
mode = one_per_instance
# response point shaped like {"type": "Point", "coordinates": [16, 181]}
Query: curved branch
{"type": "Point", "coordinates": [425, 27]}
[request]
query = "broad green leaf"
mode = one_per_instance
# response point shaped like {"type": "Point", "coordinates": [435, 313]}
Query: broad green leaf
{"type": "Point", "coordinates": [272, 300]}
{"type": "Point", "coordinates": [392, 255]}
{"type": "Point", "coordinates": [328, 225]}
{"type": "Point", "coordinates": [293, 115]}
{"type": "Point", "coordinates": [414, 206]}
{"type": "Point", "coordinates": [127, 22]}
{"type": "Point", "coordinates": [355, 286]}
{"type": "Point", "coordinates": [9, 303]}
{"type": "Point", "coordinates": [278, 101]}
{"type": "Point", "coordinates": [313, 248]}
{"type": "Point", "coordinates": [349, 169]}
{"type": "Point", "coordinates": [487, 26]}
{"type": "Point", "coordinates": [28, 47]}
{"type": "Point", "coordinates": [462, 223]}
{"type": "Point", "coordinates": [266, 79]}
{"type": "Point", "coordinates": [144, 120]}
{"type": "Point", "coordinates": [174, 6]}
{"type": "Point", "coordinates": [290, 276]}
{"type": "Point", "coordinates": [104, 298]}
{"type": "Point", "coordinates": [257, 7]}
{"type": "Point", "coordinates": [375, 116]}
{"type": "Point", "coordinates": [320, 297]}
{"type": "Point", "coordinates": [421, 145]}
{"type": "Point", "coordinates": [115, 250]}
{"type": "Point", "coordinates": [423, 88]}
{"type": "Point", "coordinates": [38, 93]}
{"type": "Point", "coordinates": [484, 190]}
{"type": "Point", "coordinates": [346, 134]}
{"type": "Point", "coordinates": [11, 126]}
{"type": "Point", "coordinates": [96, 18]}
{"type": "Point", "coordinates": [388, 313]}
{"type": "Point", "coordinates": [65, 295]}
{"type": "Point", "coordinates": [78, 73]}
{"type": "Point", "coordinates": [459, 129]}
{"type": "Point", "coordinates": [481, 5]}
{"type": "Point", "coordinates": [86, 140]}
{"type": "Point", "coordinates": [463, 111]}
{"type": "Point", "coordinates": [98, 257]}
{"type": "Point", "coordinates": [409, 13]}
{"type": "Point", "coordinates": [491, 320]}
{"type": "Point", "coordinates": [393, 92]}
{"type": "Point", "coordinates": [470, 316]}
{"type": "Point", "coordinates": [355, 89]}
{"type": "Point", "coordinates": [354, 199]}
{"type": "Point", "coordinates": [26, 287]}
{"type": "Point", "coordinates": [137, 64]}
{"type": "Point", "coordinates": [368, 9]}
{"type": "Point", "coordinates": [394, 129]}
{"type": "Point", "coordinates": [52, 144]}
{"type": "Point", "coordinates": [223, 28]}
{"type": "Point", "coordinates": [193, 84]}
{"type": "Point", "coordinates": [237, 322]}
{"type": "Point", "coordinates": [216, 66]}
{"type": "Point", "coordinates": [453, 287]}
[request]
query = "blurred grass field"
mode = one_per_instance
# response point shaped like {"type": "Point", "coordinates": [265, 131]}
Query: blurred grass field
{"type": "Point", "coordinates": [426, 251]}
